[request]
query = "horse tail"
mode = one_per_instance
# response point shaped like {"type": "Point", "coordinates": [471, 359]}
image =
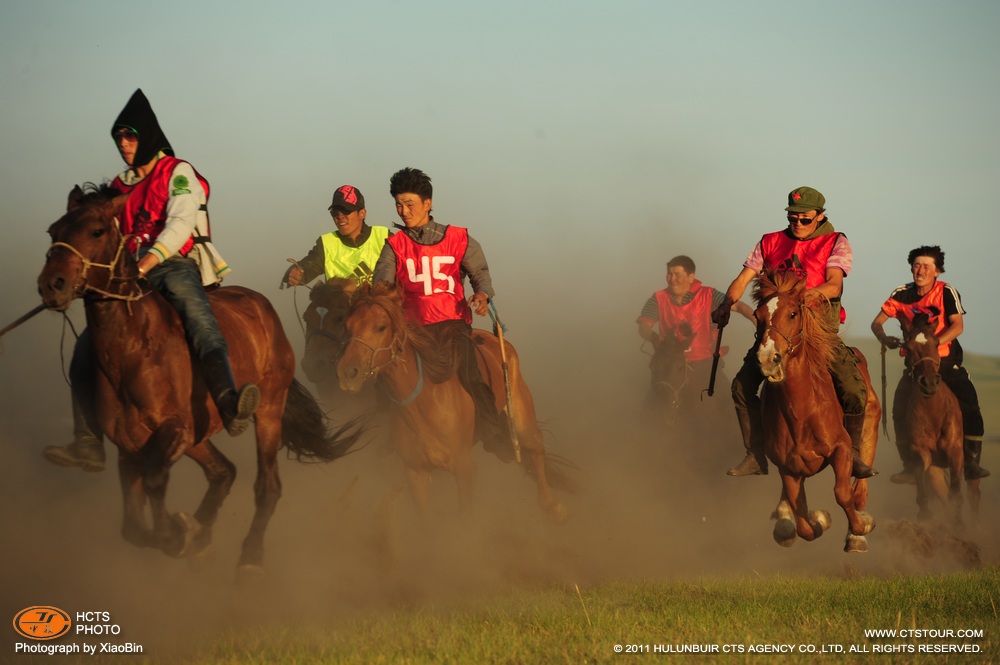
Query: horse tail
{"type": "Point", "coordinates": [560, 473]}
{"type": "Point", "coordinates": [303, 429]}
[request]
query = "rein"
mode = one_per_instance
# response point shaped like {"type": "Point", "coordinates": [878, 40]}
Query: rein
{"type": "Point", "coordinates": [137, 291]}
{"type": "Point", "coordinates": [394, 355]}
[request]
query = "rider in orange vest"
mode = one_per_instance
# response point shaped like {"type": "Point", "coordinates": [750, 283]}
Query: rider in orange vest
{"type": "Point", "coordinates": [813, 249]}
{"type": "Point", "coordinates": [430, 261]}
{"type": "Point", "coordinates": [940, 301]}
{"type": "Point", "coordinates": [166, 213]}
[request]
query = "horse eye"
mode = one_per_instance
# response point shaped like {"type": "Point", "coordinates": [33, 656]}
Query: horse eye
{"type": "Point", "coordinates": [97, 233]}
{"type": "Point", "coordinates": [381, 328]}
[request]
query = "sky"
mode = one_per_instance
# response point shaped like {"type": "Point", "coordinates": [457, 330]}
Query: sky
{"type": "Point", "coordinates": [582, 144]}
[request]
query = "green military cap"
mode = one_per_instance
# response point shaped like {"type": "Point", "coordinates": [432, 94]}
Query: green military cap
{"type": "Point", "coordinates": [805, 199]}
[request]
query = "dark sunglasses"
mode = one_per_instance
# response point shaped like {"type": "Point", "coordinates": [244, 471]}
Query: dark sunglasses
{"type": "Point", "coordinates": [125, 133]}
{"type": "Point", "coordinates": [801, 221]}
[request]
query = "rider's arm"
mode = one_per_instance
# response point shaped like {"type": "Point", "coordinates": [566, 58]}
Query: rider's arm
{"type": "Point", "coordinates": [385, 267]}
{"type": "Point", "coordinates": [475, 266]}
{"type": "Point", "coordinates": [877, 328]}
{"type": "Point", "coordinates": [953, 311]}
{"type": "Point", "coordinates": [311, 266]}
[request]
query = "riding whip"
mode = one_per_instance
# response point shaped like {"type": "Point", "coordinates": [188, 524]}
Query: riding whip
{"type": "Point", "coordinates": [885, 423]}
{"type": "Point", "coordinates": [715, 361]}
{"type": "Point", "coordinates": [498, 330]}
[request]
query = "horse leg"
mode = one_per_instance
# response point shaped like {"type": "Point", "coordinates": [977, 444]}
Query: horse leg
{"type": "Point", "coordinates": [972, 487]}
{"type": "Point", "coordinates": [537, 466]}
{"type": "Point", "coordinates": [957, 472]}
{"type": "Point", "coordinates": [220, 474]}
{"type": "Point", "coordinates": [784, 525]}
{"type": "Point", "coordinates": [267, 488]}
{"type": "Point", "coordinates": [419, 481]}
{"type": "Point", "coordinates": [859, 523]}
{"type": "Point", "coordinates": [465, 478]}
{"type": "Point", "coordinates": [809, 525]}
{"type": "Point", "coordinates": [173, 534]}
{"type": "Point", "coordinates": [134, 529]}
{"type": "Point", "coordinates": [924, 485]}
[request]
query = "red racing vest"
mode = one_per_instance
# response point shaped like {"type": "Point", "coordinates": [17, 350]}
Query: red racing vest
{"type": "Point", "coordinates": [805, 258]}
{"type": "Point", "coordinates": [697, 312]}
{"type": "Point", "coordinates": [431, 277]}
{"type": "Point", "coordinates": [931, 304]}
{"type": "Point", "coordinates": [145, 209]}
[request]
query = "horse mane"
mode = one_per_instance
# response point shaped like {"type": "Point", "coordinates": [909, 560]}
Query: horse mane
{"type": "Point", "coordinates": [330, 286]}
{"type": "Point", "coordinates": [437, 354]}
{"type": "Point", "coordinates": [819, 333]}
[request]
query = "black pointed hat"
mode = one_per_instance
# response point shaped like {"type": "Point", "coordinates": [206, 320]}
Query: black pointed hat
{"type": "Point", "coordinates": [139, 117]}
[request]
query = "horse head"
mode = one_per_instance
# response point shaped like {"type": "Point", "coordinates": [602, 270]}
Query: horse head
{"type": "Point", "coordinates": [780, 321]}
{"type": "Point", "coordinates": [326, 334]}
{"type": "Point", "coordinates": [376, 331]}
{"type": "Point", "coordinates": [669, 368]}
{"type": "Point", "coordinates": [922, 356]}
{"type": "Point", "coordinates": [87, 249]}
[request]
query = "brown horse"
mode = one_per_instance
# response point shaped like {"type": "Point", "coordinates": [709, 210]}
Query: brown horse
{"type": "Point", "coordinates": [803, 420]}
{"type": "Point", "coordinates": [671, 378]}
{"type": "Point", "coordinates": [152, 400]}
{"type": "Point", "coordinates": [326, 334]}
{"type": "Point", "coordinates": [432, 415]}
{"type": "Point", "coordinates": [928, 421]}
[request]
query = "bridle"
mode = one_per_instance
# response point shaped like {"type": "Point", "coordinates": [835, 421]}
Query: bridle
{"type": "Point", "coordinates": [788, 340]}
{"type": "Point", "coordinates": [83, 287]}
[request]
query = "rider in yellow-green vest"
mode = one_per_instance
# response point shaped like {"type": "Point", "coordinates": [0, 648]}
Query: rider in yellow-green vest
{"type": "Point", "coordinates": [350, 251]}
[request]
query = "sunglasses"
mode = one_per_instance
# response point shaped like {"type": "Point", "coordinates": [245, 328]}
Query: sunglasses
{"type": "Point", "coordinates": [801, 221]}
{"type": "Point", "coordinates": [125, 133]}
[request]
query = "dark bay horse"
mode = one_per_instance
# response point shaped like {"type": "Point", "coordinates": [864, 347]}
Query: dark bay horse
{"type": "Point", "coordinates": [324, 318]}
{"type": "Point", "coordinates": [803, 420]}
{"type": "Point", "coordinates": [928, 421]}
{"type": "Point", "coordinates": [671, 378]}
{"type": "Point", "coordinates": [432, 415]}
{"type": "Point", "coordinates": [152, 400]}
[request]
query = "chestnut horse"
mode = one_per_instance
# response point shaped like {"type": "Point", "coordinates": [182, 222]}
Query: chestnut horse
{"type": "Point", "coordinates": [803, 420]}
{"type": "Point", "coordinates": [152, 401]}
{"type": "Point", "coordinates": [928, 421]}
{"type": "Point", "coordinates": [432, 415]}
{"type": "Point", "coordinates": [329, 304]}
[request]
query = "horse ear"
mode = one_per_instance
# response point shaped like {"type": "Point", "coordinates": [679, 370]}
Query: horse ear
{"type": "Point", "coordinates": [115, 206]}
{"type": "Point", "coordinates": [350, 286]}
{"type": "Point", "coordinates": [73, 200]}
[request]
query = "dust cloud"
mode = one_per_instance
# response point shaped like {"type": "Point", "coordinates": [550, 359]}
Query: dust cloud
{"type": "Point", "coordinates": [345, 539]}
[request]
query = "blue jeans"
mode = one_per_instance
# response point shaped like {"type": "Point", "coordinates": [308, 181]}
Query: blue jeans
{"type": "Point", "coordinates": [179, 281]}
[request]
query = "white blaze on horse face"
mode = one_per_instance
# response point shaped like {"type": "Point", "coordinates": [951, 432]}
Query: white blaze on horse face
{"type": "Point", "coordinates": [772, 307]}
{"type": "Point", "coordinates": [920, 338]}
{"type": "Point", "coordinates": [322, 311]}
{"type": "Point", "coordinates": [765, 354]}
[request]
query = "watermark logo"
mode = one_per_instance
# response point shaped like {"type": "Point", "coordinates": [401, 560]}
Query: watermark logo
{"type": "Point", "coordinates": [42, 622]}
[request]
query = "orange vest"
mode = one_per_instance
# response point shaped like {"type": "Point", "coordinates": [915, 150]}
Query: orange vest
{"type": "Point", "coordinates": [806, 258]}
{"type": "Point", "coordinates": [431, 276]}
{"type": "Point", "coordinates": [932, 304]}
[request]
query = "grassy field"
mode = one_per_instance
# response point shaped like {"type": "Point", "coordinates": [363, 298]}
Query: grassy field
{"type": "Point", "coordinates": [750, 617]}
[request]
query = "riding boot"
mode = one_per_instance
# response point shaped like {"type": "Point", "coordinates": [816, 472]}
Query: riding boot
{"type": "Point", "coordinates": [492, 427]}
{"type": "Point", "coordinates": [87, 448]}
{"type": "Point", "coordinates": [973, 453]}
{"type": "Point", "coordinates": [855, 426]}
{"type": "Point", "coordinates": [904, 477]}
{"type": "Point", "coordinates": [755, 463]}
{"type": "Point", "coordinates": [235, 406]}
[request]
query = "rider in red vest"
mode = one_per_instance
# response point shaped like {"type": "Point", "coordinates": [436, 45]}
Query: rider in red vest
{"type": "Point", "coordinates": [685, 299]}
{"type": "Point", "coordinates": [430, 261]}
{"type": "Point", "coordinates": [940, 301]}
{"type": "Point", "coordinates": [812, 249]}
{"type": "Point", "coordinates": [166, 212]}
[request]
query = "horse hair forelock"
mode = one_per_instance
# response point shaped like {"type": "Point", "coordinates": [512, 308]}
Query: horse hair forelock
{"type": "Point", "coordinates": [819, 333]}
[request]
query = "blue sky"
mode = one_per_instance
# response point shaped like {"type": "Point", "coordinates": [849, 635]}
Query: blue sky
{"type": "Point", "coordinates": [583, 144]}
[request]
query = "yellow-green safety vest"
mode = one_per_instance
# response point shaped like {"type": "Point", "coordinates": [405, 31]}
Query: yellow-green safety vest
{"type": "Point", "coordinates": [357, 262]}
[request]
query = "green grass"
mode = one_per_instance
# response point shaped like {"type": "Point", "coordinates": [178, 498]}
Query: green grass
{"type": "Point", "coordinates": [564, 625]}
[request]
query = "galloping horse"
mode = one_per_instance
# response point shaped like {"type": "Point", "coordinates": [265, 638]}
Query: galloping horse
{"type": "Point", "coordinates": [803, 420]}
{"type": "Point", "coordinates": [673, 386]}
{"type": "Point", "coordinates": [326, 334]}
{"type": "Point", "coordinates": [928, 421]}
{"type": "Point", "coordinates": [152, 400]}
{"type": "Point", "coordinates": [432, 414]}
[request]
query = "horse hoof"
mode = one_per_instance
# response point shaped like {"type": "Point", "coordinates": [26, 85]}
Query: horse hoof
{"type": "Point", "coordinates": [784, 532]}
{"type": "Point", "coordinates": [558, 513]}
{"type": "Point", "coordinates": [249, 574]}
{"type": "Point", "coordinates": [856, 544]}
{"type": "Point", "coordinates": [189, 528]}
{"type": "Point", "coordinates": [822, 518]}
{"type": "Point", "coordinates": [868, 521]}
